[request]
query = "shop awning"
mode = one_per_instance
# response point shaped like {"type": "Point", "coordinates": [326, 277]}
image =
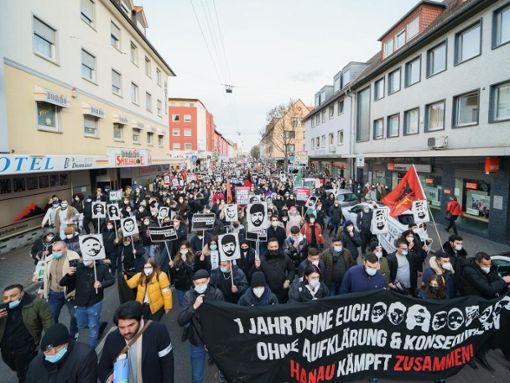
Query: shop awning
{"type": "Point", "coordinates": [120, 119]}
{"type": "Point", "coordinates": [138, 125]}
{"type": "Point", "coordinates": [92, 110]}
{"type": "Point", "coordinates": [161, 132]}
{"type": "Point", "coordinates": [46, 95]}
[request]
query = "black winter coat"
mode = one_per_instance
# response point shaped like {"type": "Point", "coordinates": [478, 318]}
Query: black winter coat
{"type": "Point", "coordinates": [351, 243]}
{"type": "Point", "coordinates": [223, 282]}
{"type": "Point", "coordinates": [277, 269]}
{"type": "Point", "coordinates": [249, 299]}
{"type": "Point", "coordinates": [277, 232]}
{"type": "Point", "coordinates": [300, 293]}
{"type": "Point", "coordinates": [181, 275]}
{"type": "Point", "coordinates": [476, 282]}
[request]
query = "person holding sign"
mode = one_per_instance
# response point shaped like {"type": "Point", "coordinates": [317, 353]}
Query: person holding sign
{"type": "Point", "coordinates": [152, 290]}
{"type": "Point", "coordinates": [89, 281]}
{"type": "Point", "coordinates": [230, 280]}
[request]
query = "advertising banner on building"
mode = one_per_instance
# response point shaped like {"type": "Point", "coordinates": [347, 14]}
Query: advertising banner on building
{"type": "Point", "coordinates": [352, 337]}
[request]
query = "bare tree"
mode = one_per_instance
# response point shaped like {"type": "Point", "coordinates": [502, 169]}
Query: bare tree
{"type": "Point", "coordinates": [255, 152]}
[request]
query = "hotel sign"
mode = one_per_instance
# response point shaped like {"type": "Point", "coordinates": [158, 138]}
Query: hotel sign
{"type": "Point", "coordinates": [26, 164]}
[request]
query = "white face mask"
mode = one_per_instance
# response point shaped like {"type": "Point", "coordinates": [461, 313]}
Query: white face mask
{"type": "Point", "coordinates": [378, 254]}
{"type": "Point", "coordinates": [458, 247]}
{"type": "Point", "coordinates": [415, 231]}
{"type": "Point", "coordinates": [258, 291]}
{"type": "Point", "coordinates": [69, 236]}
{"type": "Point", "coordinates": [315, 263]}
{"type": "Point", "coordinates": [370, 271]}
{"type": "Point", "coordinates": [314, 282]}
{"type": "Point", "coordinates": [447, 266]}
{"type": "Point", "coordinates": [410, 239]}
{"type": "Point", "coordinates": [148, 271]}
{"type": "Point", "coordinates": [486, 269]}
{"type": "Point", "coordinates": [312, 220]}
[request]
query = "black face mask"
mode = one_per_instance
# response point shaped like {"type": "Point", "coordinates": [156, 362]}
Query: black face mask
{"type": "Point", "coordinates": [273, 253]}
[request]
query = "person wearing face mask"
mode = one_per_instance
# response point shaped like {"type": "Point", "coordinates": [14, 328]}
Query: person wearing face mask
{"type": "Point", "coordinates": [247, 260]}
{"type": "Point", "coordinates": [480, 278]}
{"type": "Point", "coordinates": [42, 247]}
{"type": "Point", "coordinates": [88, 285]}
{"type": "Point", "coordinates": [52, 209]}
{"type": "Point", "coordinates": [337, 260]}
{"type": "Point", "coordinates": [441, 266]}
{"type": "Point", "coordinates": [56, 266]}
{"type": "Point", "coordinates": [381, 254]}
{"type": "Point", "coordinates": [312, 232]}
{"type": "Point", "coordinates": [259, 294]}
{"type": "Point", "coordinates": [71, 238]}
{"type": "Point", "coordinates": [335, 216]}
{"type": "Point", "coordinates": [276, 230]}
{"type": "Point", "coordinates": [415, 248]}
{"type": "Point", "coordinates": [111, 244]}
{"type": "Point", "coordinates": [404, 267]}
{"type": "Point", "coordinates": [295, 219]}
{"type": "Point", "coordinates": [62, 359]}
{"type": "Point", "coordinates": [193, 299]}
{"type": "Point", "coordinates": [454, 247]}
{"type": "Point", "coordinates": [150, 248]}
{"type": "Point", "coordinates": [295, 246]}
{"type": "Point", "coordinates": [181, 271]}
{"type": "Point", "coordinates": [198, 241]}
{"type": "Point", "coordinates": [182, 235]}
{"type": "Point", "coordinates": [152, 290]}
{"type": "Point", "coordinates": [313, 258]}
{"type": "Point", "coordinates": [131, 261]}
{"type": "Point", "coordinates": [363, 277]}
{"type": "Point", "coordinates": [351, 239]}
{"type": "Point", "coordinates": [230, 280]}
{"type": "Point", "coordinates": [364, 222]}
{"type": "Point", "coordinates": [64, 217]}
{"type": "Point", "coordinates": [209, 257]}
{"type": "Point", "coordinates": [433, 288]}
{"type": "Point", "coordinates": [21, 326]}
{"type": "Point", "coordinates": [311, 288]}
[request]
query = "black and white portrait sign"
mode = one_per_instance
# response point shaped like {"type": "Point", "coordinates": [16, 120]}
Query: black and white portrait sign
{"type": "Point", "coordinates": [229, 247]}
{"type": "Point", "coordinates": [98, 209]}
{"type": "Point", "coordinates": [231, 213]}
{"type": "Point", "coordinates": [163, 212]}
{"type": "Point", "coordinates": [129, 226]}
{"type": "Point", "coordinates": [257, 216]}
{"type": "Point", "coordinates": [421, 211]}
{"type": "Point", "coordinates": [92, 247]}
{"type": "Point", "coordinates": [380, 224]}
{"type": "Point", "coordinates": [113, 212]}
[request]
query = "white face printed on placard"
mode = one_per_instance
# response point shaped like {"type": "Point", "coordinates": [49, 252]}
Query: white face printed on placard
{"type": "Point", "coordinates": [231, 213]}
{"type": "Point", "coordinates": [229, 247]}
{"type": "Point", "coordinates": [380, 223]}
{"type": "Point", "coordinates": [163, 212]}
{"type": "Point", "coordinates": [257, 216]}
{"type": "Point", "coordinates": [91, 247]}
{"type": "Point", "coordinates": [129, 226]}
{"type": "Point", "coordinates": [113, 212]}
{"type": "Point", "coordinates": [98, 210]}
{"type": "Point", "coordinates": [420, 212]}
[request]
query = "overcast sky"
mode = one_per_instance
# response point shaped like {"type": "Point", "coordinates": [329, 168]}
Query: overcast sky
{"type": "Point", "coordinates": [275, 49]}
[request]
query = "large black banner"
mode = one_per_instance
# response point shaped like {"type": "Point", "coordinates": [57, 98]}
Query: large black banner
{"type": "Point", "coordinates": [378, 334]}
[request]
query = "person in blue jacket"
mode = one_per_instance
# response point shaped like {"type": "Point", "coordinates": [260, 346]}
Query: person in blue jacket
{"type": "Point", "coordinates": [363, 277]}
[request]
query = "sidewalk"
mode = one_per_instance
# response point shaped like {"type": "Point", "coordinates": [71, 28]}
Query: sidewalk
{"type": "Point", "coordinates": [17, 266]}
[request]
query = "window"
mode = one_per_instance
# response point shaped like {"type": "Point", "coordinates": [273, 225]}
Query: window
{"type": "Point", "coordinates": [175, 117]}
{"type": "Point", "coordinates": [5, 186]}
{"type": "Point", "coordinates": [394, 81]}
{"type": "Point", "coordinates": [44, 39]}
{"type": "Point", "coordinates": [317, 119]}
{"type": "Point", "coordinates": [88, 65]}
{"type": "Point", "coordinates": [148, 70]}
{"type": "Point", "coordinates": [125, 7]}
{"type": "Point", "coordinates": [340, 137]}
{"type": "Point", "coordinates": [468, 43]}
{"type": "Point", "coordinates": [136, 136]}
{"type": "Point", "coordinates": [400, 40]}
{"type": "Point", "coordinates": [176, 145]}
{"type": "Point", "coordinates": [289, 134]}
{"type": "Point", "coordinates": [436, 59]}
{"type": "Point", "coordinates": [500, 102]}
{"type": "Point", "coordinates": [340, 107]}
{"type": "Point", "coordinates": [466, 108]}
{"type": "Point", "coordinates": [150, 138]}
{"type": "Point", "coordinates": [363, 116]}
{"type": "Point", "coordinates": [323, 116]}
{"type": "Point", "coordinates": [159, 107]}
{"type": "Point", "coordinates": [379, 129]}
{"type": "Point", "coordinates": [161, 140]}
{"type": "Point", "coordinates": [118, 132]}
{"type": "Point", "coordinates": [148, 102]}
{"type": "Point", "coordinates": [323, 140]}
{"type": "Point", "coordinates": [379, 89]}
{"type": "Point", "coordinates": [346, 77]}
{"type": "Point", "coordinates": [501, 23]}
{"type": "Point", "coordinates": [134, 94]}
{"type": "Point", "coordinates": [115, 36]}
{"type": "Point", "coordinates": [313, 143]}
{"type": "Point", "coordinates": [331, 111]}
{"type": "Point", "coordinates": [413, 71]}
{"type": "Point", "coordinates": [187, 118]}
{"type": "Point", "coordinates": [188, 147]}
{"type": "Point", "coordinates": [413, 28]}
{"type": "Point", "coordinates": [291, 148]}
{"type": "Point", "coordinates": [176, 132]}
{"type": "Point", "coordinates": [434, 116]}
{"type": "Point", "coordinates": [47, 116]}
{"type": "Point", "coordinates": [87, 11]}
{"type": "Point", "coordinates": [331, 139]}
{"type": "Point", "coordinates": [134, 53]}
{"type": "Point", "coordinates": [90, 126]}
{"type": "Point", "coordinates": [317, 141]}
{"type": "Point", "coordinates": [312, 122]}
{"type": "Point", "coordinates": [187, 132]}
{"type": "Point", "coordinates": [393, 125]}
{"type": "Point", "coordinates": [116, 82]}
{"type": "Point", "coordinates": [158, 76]}
{"type": "Point", "coordinates": [337, 85]}
{"type": "Point", "coordinates": [388, 48]}
{"type": "Point", "coordinates": [412, 121]}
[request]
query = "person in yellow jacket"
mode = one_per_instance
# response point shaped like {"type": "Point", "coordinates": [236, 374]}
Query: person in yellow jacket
{"type": "Point", "coordinates": [153, 290]}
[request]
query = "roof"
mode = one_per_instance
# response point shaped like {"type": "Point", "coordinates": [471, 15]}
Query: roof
{"type": "Point", "coordinates": [138, 9]}
{"type": "Point", "coordinates": [170, 99]}
{"type": "Point", "coordinates": [142, 36]}
{"type": "Point", "coordinates": [456, 12]}
{"type": "Point", "coordinates": [423, 2]}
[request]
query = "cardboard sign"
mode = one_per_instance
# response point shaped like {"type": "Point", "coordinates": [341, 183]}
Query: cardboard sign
{"type": "Point", "coordinates": [254, 198]}
{"type": "Point", "coordinates": [162, 234]}
{"type": "Point", "coordinates": [420, 211]}
{"type": "Point", "coordinates": [113, 212]}
{"type": "Point", "coordinates": [98, 210]}
{"type": "Point", "coordinates": [201, 222]}
{"type": "Point", "coordinates": [254, 236]}
{"type": "Point", "coordinates": [92, 247]}
{"type": "Point", "coordinates": [163, 212]}
{"type": "Point", "coordinates": [115, 195]}
{"type": "Point", "coordinates": [231, 213]}
{"type": "Point", "coordinates": [166, 179]}
{"type": "Point", "coordinates": [129, 226]}
{"type": "Point", "coordinates": [242, 195]}
{"type": "Point", "coordinates": [380, 224]}
{"type": "Point", "coordinates": [302, 194]}
{"type": "Point", "coordinates": [228, 245]}
{"type": "Point", "coordinates": [257, 216]}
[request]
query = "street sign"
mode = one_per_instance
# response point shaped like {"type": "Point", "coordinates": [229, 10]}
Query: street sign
{"type": "Point", "coordinates": [360, 161]}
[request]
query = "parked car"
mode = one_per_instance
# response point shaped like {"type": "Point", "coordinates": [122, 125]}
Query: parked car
{"type": "Point", "coordinates": [502, 263]}
{"type": "Point", "coordinates": [346, 197]}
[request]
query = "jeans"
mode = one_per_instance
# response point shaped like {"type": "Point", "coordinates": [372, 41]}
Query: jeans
{"type": "Point", "coordinates": [89, 317]}
{"type": "Point", "coordinates": [56, 302]}
{"type": "Point", "coordinates": [180, 296]}
{"type": "Point", "coordinates": [451, 224]}
{"type": "Point", "coordinates": [150, 250]}
{"type": "Point", "coordinates": [198, 355]}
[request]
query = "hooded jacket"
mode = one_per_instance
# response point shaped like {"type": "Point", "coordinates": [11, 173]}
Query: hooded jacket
{"type": "Point", "coordinates": [448, 276]}
{"type": "Point", "coordinates": [157, 290]}
{"type": "Point", "coordinates": [249, 299]}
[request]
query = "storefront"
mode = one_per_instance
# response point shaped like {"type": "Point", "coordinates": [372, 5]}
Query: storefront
{"type": "Point", "coordinates": [474, 195]}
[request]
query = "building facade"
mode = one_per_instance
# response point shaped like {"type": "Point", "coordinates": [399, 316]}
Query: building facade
{"type": "Point", "coordinates": [438, 95]}
{"type": "Point", "coordinates": [83, 104]}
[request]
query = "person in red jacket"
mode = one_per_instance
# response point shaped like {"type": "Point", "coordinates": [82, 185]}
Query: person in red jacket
{"type": "Point", "coordinates": [453, 211]}
{"type": "Point", "coordinates": [313, 232]}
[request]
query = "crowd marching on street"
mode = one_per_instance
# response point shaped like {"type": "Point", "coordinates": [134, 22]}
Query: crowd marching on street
{"type": "Point", "coordinates": [248, 237]}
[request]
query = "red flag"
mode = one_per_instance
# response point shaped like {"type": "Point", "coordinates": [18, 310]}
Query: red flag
{"type": "Point", "coordinates": [229, 193]}
{"type": "Point", "coordinates": [408, 190]}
